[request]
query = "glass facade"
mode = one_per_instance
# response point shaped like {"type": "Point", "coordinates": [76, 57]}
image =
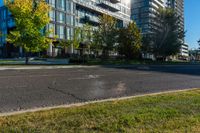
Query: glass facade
{"type": "Point", "coordinates": [62, 18]}
{"type": "Point", "coordinates": [88, 11]}
{"type": "Point", "coordinates": [143, 13]}
{"type": "Point", "coordinates": [178, 6]}
{"type": "Point", "coordinates": [68, 14]}
{"type": "Point", "coordinates": [6, 23]}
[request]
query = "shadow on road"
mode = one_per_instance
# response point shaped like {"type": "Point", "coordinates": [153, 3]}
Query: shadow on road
{"type": "Point", "coordinates": [193, 70]}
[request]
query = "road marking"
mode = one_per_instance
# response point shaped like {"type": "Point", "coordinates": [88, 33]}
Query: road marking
{"type": "Point", "coordinates": [90, 102]}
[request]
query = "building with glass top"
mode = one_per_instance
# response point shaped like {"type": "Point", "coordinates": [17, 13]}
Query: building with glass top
{"type": "Point", "coordinates": [143, 13]}
{"type": "Point", "coordinates": [65, 16]}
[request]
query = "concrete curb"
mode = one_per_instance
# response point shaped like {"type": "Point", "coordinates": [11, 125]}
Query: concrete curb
{"type": "Point", "coordinates": [38, 67]}
{"type": "Point", "coordinates": [42, 67]}
{"type": "Point", "coordinates": [90, 102]}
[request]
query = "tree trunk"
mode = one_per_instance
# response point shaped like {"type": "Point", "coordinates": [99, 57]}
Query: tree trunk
{"type": "Point", "coordinates": [27, 58]}
{"type": "Point", "coordinates": [105, 53]}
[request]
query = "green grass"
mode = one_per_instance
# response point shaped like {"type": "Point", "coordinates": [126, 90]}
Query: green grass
{"type": "Point", "coordinates": [174, 112]}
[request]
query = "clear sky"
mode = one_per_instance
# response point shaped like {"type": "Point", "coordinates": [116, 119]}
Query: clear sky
{"type": "Point", "coordinates": [1, 2]}
{"type": "Point", "coordinates": [192, 22]}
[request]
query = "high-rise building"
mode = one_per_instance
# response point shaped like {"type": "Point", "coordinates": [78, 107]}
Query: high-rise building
{"type": "Point", "coordinates": [178, 6]}
{"type": "Point", "coordinates": [68, 14]}
{"type": "Point", "coordinates": [143, 13]}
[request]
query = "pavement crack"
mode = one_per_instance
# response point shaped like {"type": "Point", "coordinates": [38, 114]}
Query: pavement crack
{"type": "Point", "coordinates": [67, 93]}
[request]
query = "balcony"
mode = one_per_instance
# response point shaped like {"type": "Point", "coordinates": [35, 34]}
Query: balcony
{"type": "Point", "coordinates": [115, 1]}
{"type": "Point", "coordinates": [109, 5]}
{"type": "Point", "coordinates": [90, 20]}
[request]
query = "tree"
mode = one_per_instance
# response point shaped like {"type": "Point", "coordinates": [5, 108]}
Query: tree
{"type": "Point", "coordinates": [31, 16]}
{"type": "Point", "coordinates": [147, 46]}
{"type": "Point", "coordinates": [106, 34]}
{"type": "Point", "coordinates": [96, 42]}
{"type": "Point", "coordinates": [86, 37]}
{"type": "Point", "coordinates": [63, 44]}
{"type": "Point", "coordinates": [130, 41]}
{"type": "Point", "coordinates": [77, 37]}
{"type": "Point", "coordinates": [87, 34]}
{"type": "Point", "coordinates": [168, 38]}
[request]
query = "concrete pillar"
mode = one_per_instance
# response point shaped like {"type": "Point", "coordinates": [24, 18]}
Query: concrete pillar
{"type": "Point", "coordinates": [50, 50]}
{"type": "Point", "coordinates": [71, 49]}
{"type": "Point", "coordinates": [55, 52]}
{"type": "Point", "coordinates": [66, 50]}
{"type": "Point", "coordinates": [20, 52]}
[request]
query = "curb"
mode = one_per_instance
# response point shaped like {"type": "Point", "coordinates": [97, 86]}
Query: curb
{"type": "Point", "coordinates": [42, 67]}
{"type": "Point", "coordinates": [90, 102]}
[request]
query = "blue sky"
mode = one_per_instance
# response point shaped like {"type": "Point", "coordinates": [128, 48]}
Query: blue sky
{"type": "Point", "coordinates": [192, 22]}
{"type": "Point", "coordinates": [1, 2]}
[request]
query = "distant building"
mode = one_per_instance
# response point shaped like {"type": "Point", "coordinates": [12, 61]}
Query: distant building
{"type": "Point", "coordinates": [184, 52]}
{"type": "Point", "coordinates": [178, 6]}
{"type": "Point", "coordinates": [194, 55]}
{"type": "Point", "coordinates": [143, 12]}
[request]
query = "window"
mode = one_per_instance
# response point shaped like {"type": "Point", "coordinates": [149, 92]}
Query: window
{"type": "Point", "coordinates": [60, 31]}
{"type": "Point", "coordinates": [60, 17]}
{"type": "Point", "coordinates": [52, 15]}
{"type": "Point", "coordinates": [61, 4]}
{"type": "Point", "coordinates": [52, 3]}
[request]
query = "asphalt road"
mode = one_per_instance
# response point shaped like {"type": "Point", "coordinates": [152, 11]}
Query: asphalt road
{"type": "Point", "coordinates": [27, 89]}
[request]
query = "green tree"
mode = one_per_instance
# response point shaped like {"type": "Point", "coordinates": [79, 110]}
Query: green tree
{"type": "Point", "coordinates": [86, 38]}
{"type": "Point", "coordinates": [168, 37]}
{"type": "Point", "coordinates": [147, 45]}
{"type": "Point", "coordinates": [130, 41]}
{"type": "Point", "coordinates": [96, 42]}
{"type": "Point", "coordinates": [87, 34]}
{"type": "Point", "coordinates": [77, 38]}
{"type": "Point", "coordinates": [106, 34]}
{"type": "Point", "coordinates": [64, 44]}
{"type": "Point", "coordinates": [31, 16]}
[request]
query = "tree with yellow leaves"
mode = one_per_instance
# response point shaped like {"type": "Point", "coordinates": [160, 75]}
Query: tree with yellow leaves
{"type": "Point", "coordinates": [31, 16]}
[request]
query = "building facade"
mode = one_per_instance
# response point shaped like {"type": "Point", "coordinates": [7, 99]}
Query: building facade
{"type": "Point", "coordinates": [143, 13]}
{"type": "Point", "coordinates": [66, 15]}
{"type": "Point", "coordinates": [178, 6]}
{"type": "Point", "coordinates": [184, 51]}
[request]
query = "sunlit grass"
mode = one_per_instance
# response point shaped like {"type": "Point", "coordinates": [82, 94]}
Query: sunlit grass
{"type": "Point", "coordinates": [174, 112]}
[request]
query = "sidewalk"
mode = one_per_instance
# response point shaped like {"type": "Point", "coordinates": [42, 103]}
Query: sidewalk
{"type": "Point", "coordinates": [32, 61]}
{"type": "Point", "coordinates": [29, 67]}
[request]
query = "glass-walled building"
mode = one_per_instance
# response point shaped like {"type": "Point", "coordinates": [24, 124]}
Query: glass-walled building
{"type": "Point", "coordinates": [143, 13]}
{"type": "Point", "coordinates": [68, 14]}
{"type": "Point", "coordinates": [6, 24]}
{"type": "Point", "coordinates": [178, 6]}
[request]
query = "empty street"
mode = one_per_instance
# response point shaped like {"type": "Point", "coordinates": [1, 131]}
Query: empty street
{"type": "Point", "coordinates": [23, 89]}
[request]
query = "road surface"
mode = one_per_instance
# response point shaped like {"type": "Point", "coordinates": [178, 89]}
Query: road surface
{"type": "Point", "coordinates": [27, 89]}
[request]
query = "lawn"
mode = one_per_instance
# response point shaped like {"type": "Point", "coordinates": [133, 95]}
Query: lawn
{"type": "Point", "coordinates": [173, 112]}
